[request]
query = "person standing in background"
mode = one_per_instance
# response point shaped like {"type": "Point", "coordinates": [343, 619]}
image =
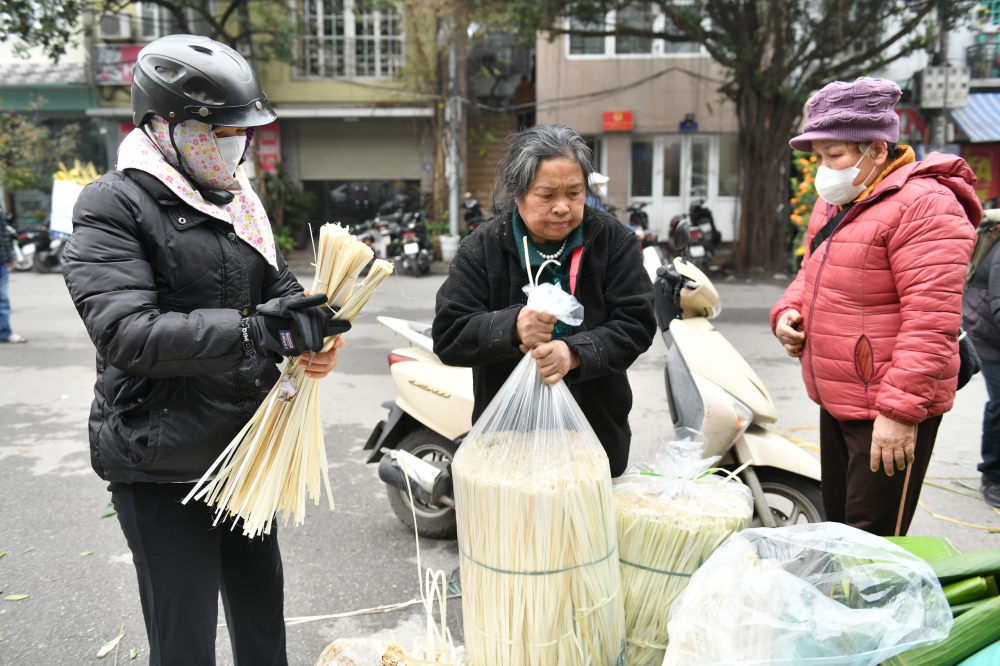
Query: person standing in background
{"type": "Point", "coordinates": [6, 265]}
{"type": "Point", "coordinates": [981, 320]}
{"type": "Point", "coordinates": [524, 100]}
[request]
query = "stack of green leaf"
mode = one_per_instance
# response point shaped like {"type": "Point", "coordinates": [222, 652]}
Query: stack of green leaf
{"type": "Point", "coordinates": [970, 585]}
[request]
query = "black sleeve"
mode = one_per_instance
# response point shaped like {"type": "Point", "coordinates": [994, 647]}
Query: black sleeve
{"type": "Point", "coordinates": [994, 284]}
{"type": "Point", "coordinates": [466, 332]}
{"type": "Point", "coordinates": [112, 285]}
{"type": "Point", "coordinates": [614, 347]}
{"type": "Point", "coordinates": [279, 281]}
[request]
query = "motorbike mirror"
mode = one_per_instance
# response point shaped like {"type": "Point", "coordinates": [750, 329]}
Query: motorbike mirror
{"type": "Point", "coordinates": [682, 235]}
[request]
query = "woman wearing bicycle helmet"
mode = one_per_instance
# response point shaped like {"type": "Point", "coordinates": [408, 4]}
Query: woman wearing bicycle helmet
{"type": "Point", "coordinates": [169, 259]}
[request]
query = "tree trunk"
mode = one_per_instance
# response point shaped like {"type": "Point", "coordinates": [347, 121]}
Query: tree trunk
{"type": "Point", "coordinates": [766, 122]}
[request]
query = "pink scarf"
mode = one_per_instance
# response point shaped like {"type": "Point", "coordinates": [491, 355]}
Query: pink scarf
{"type": "Point", "coordinates": [203, 161]}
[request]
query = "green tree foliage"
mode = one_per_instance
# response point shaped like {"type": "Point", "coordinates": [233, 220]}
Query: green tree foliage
{"type": "Point", "coordinates": [775, 54]}
{"type": "Point", "coordinates": [266, 29]}
{"type": "Point", "coordinates": [30, 153]}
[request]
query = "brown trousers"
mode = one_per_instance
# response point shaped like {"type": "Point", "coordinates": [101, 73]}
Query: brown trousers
{"type": "Point", "coordinates": [856, 496]}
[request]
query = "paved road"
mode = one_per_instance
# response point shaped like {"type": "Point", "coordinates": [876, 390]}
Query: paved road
{"type": "Point", "coordinates": [356, 557]}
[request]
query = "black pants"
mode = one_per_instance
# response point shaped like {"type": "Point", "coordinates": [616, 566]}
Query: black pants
{"type": "Point", "coordinates": [990, 467]}
{"type": "Point", "coordinates": [856, 496]}
{"type": "Point", "coordinates": [183, 563]}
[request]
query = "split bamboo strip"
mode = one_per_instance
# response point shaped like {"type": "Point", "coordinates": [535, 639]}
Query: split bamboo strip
{"type": "Point", "coordinates": [666, 529]}
{"type": "Point", "coordinates": [540, 577]}
{"type": "Point", "coordinates": [279, 458]}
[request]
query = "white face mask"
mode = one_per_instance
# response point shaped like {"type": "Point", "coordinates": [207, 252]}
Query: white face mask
{"type": "Point", "coordinates": [837, 186]}
{"type": "Point", "coordinates": [232, 149]}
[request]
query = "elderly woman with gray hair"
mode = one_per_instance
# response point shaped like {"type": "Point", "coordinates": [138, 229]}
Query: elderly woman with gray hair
{"type": "Point", "coordinates": [481, 320]}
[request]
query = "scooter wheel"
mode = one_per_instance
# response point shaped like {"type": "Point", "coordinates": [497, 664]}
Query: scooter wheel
{"type": "Point", "coordinates": [433, 522]}
{"type": "Point", "coordinates": [793, 499]}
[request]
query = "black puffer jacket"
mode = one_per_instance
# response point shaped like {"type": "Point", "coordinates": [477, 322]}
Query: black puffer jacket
{"type": "Point", "coordinates": [981, 307]}
{"type": "Point", "coordinates": [161, 288]}
{"type": "Point", "coordinates": [6, 242]}
{"type": "Point", "coordinates": [475, 320]}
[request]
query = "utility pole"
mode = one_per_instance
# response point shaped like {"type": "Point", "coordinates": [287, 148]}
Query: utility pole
{"type": "Point", "coordinates": [940, 120]}
{"type": "Point", "coordinates": [453, 118]}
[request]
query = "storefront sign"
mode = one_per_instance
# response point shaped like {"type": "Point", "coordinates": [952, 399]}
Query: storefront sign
{"type": "Point", "coordinates": [618, 121]}
{"type": "Point", "coordinates": [270, 147]}
{"type": "Point", "coordinates": [985, 163]}
{"type": "Point", "coordinates": [113, 64]}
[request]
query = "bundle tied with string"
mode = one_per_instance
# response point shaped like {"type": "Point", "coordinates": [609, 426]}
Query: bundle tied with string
{"type": "Point", "coordinates": [279, 458]}
{"type": "Point", "coordinates": [671, 513]}
{"type": "Point", "coordinates": [540, 577]}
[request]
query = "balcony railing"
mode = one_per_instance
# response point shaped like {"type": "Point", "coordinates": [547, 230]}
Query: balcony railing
{"type": "Point", "coordinates": [984, 61]}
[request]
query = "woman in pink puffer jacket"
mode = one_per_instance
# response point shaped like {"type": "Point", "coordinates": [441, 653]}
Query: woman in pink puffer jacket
{"type": "Point", "coordinates": [875, 310]}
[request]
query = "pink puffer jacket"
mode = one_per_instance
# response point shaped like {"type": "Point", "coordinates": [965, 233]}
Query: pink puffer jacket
{"type": "Point", "coordinates": [881, 300]}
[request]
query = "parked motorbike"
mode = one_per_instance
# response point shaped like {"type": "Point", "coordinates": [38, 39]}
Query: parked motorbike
{"type": "Point", "coordinates": [712, 389]}
{"type": "Point", "coordinates": [24, 249]}
{"type": "Point", "coordinates": [704, 237]}
{"type": "Point", "coordinates": [48, 252]}
{"type": "Point", "coordinates": [428, 419]}
{"type": "Point", "coordinates": [638, 218]}
{"type": "Point", "coordinates": [417, 251]}
{"type": "Point", "coordinates": [473, 213]}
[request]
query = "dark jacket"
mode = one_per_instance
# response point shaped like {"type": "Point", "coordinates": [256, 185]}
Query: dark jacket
{"type": "Point", "coordinates": [981, 307]}
{"type": "Point", "coordinates": [7, 255]}
{"type": "Point", "coordinates": [161, 289]}
{"type": "Point", "coordinates": [475, 320]}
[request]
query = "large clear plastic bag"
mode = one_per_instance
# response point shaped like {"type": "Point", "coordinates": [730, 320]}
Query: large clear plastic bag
{"type": "Point", "coordinates": [821, 594]}
{"type": "Point", "coordinates": [671, 515]}
{"type": "Point", "coordinates": [540, 577]}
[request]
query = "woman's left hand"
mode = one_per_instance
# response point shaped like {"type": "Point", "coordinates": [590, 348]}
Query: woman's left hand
{"type": "Point", "coordinates": [892, 442]}
{"type": "Point", "coordinates": [554, 360]}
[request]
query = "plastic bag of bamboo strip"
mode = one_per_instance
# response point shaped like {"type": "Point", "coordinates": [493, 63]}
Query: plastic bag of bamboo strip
{"type": "Point", "coordinates": [671, 515]}
{"type": "Point", "coordinates": [404, 644]}
{"type": "Point", "coordinates": [536, 534]}
{"type": "Point", "coordinates": [821, 594]}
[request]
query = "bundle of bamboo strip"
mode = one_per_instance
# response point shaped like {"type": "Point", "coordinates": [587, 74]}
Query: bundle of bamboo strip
{"type": "Point", "coordinates": [540, 577]}
{"type": "Point", "coordinates": [279, 458]}
{"type": "Point", "coordinates": [667, 527]}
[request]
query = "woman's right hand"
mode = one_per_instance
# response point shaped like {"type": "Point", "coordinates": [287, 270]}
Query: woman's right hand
{"type": "Point", "coordinates": [787, 333]}
{"type": "Point", "coordinates": [534, 328]}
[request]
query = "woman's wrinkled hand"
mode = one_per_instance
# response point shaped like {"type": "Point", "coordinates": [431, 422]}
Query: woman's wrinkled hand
{"type": "Point", "coordinates": [323, 363]}
{"type": "Point", "coordinates": [554, 360]}
{"type": "Point", "coordinates": [787, 333]}
{"type": "Point", "coordinates": [892, 441]}
{"type": "Point", "coordinates": [534, 328]}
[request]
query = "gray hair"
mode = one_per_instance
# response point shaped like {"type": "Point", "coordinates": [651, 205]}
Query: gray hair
{"type": "Point", "coordinates": [524, 151]}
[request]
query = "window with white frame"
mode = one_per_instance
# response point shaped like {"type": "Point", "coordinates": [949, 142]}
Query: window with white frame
{"type": "Point", "coordinates": [638, 17]}
{"type": "Point", "coordinates": [350, 39]}
{"type": "Point", "coordinates": [155, 21]}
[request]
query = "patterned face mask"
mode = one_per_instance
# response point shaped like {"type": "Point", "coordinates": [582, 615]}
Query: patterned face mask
{"type": "Point", "coordinates": [201, 158]}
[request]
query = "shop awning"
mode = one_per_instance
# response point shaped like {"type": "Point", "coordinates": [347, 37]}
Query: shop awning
{"type": "Point", "coordinates": [981, 118]}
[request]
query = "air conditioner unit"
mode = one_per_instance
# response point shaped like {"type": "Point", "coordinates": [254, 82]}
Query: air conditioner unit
{"type": "Point", "coordinates": [115, 27]}
{"type": "Point", "coordinates": [942, 87]}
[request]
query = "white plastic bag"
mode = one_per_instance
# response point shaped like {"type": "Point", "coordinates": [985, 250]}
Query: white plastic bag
{"type": "Point", "coordinates": [671, 515]}
{"type": "Point", "coordinates": [821, 594]}
{"type": "Point", "coordinates": [550, 298]}
{"type": "Point", "coordinates": [389, 647]}
{"type": "Point", "coordinates": [536, 531]}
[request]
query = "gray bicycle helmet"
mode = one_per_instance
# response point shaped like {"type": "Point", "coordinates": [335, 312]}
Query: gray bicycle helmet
{"type": "Point", "coordinates": [187, 77]}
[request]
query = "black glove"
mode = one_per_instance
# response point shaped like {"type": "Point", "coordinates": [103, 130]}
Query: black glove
{"type": "Point", "coordinates": [290, 326]}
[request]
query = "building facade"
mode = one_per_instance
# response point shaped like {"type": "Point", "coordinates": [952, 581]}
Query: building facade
{"type": "Point", "coordinates": [651, 109]}
{"type": "Point", "coordinates": [350, 128]}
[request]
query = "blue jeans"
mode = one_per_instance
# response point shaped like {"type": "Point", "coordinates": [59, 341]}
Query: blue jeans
{"type": "Point", "coordinates": [990, 467]}
{"type": "Point", "coordinates": [5, 331]}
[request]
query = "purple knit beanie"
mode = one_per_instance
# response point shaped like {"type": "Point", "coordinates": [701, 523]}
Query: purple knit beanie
{"type": "Point", "coordinates": [856, 112]}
